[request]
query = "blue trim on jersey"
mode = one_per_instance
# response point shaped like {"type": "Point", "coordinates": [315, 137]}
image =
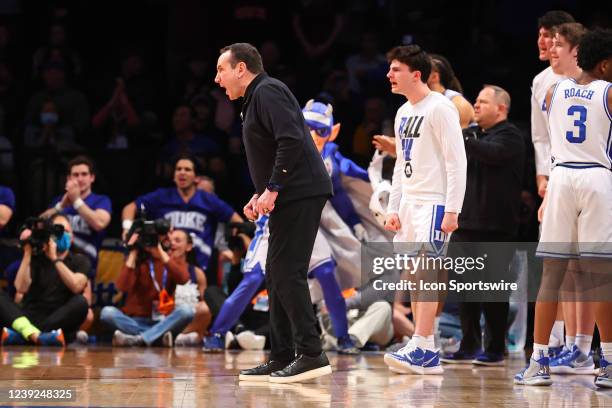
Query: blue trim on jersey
{"type": "Point", "coordinates": [552, 98]}
{"type": "Point", "coordinates": [605, 101]}
{"type": "Point", "coordinates": [597, 254]}
{"type": "Point", "coordinates": [578, 165]}
{"type": "Point", "coordinates": [608, 145]}
{"type": "Point", "coordinates": [437, 215]}
{"type": "Point", "coordinates": [548, 254]}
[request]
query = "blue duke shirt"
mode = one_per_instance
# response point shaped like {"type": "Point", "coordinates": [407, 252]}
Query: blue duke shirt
{"type": "Point", "coordinates": [199, 215]}
{"type": "Point", "coordinates": [86, 239]}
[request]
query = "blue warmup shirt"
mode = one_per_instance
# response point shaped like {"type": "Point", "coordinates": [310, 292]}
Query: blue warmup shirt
{"type": "Point", "coordinates": [86, 239]}
{"type": "Point", "coordinates": [199, 215]}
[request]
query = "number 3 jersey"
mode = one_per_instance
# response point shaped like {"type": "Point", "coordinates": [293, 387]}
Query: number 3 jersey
{"type": "Point", "coordinates": [579, 124]}
{"type": "Point", "coordinates": [431, 162]}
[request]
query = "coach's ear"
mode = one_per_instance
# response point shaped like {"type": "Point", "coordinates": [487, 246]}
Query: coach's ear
{"type": "Point", "coordinates": [334, 132]}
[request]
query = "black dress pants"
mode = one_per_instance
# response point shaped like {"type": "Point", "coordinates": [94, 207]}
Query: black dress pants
{"type": "Point", "coordinates": [293, 325]}
{"type": "Point", "coordinates": [495, 313]}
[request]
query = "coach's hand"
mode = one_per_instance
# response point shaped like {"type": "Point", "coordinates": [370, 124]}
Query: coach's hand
{"type": "Point", "coordinates": [392, 222]}
{"type": "Point", "coordinates": [450, 222]}
{"type": "Point", "coordinates": [265, 202]}
{"type": "Point", "coordinates": [250, 209]}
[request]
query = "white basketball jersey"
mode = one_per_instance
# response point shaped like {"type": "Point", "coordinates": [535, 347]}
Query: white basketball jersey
{"type": "Point", "coordinates": [431, 162]}
{"type": "Point", "coordinates": [580, 125]}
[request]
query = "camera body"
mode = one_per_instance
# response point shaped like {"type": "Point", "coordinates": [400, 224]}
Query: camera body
{"type": "Point", "coordinates": [234, 242]}
{"type": "Point", "coordinates": [148, 231]}
{"type": "Point", "coordinates": [42, 230]}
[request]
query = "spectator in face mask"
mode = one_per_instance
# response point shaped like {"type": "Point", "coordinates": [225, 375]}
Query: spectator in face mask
{"type": "Point", "coordinates": [52, 280]}
{"type": "Point", "coordinates": [49, 131]}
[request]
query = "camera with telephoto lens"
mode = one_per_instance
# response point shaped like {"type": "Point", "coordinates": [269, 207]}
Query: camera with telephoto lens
{"type": "Point", "coordinates": [234, 242]}
{"type": "Point", "coordinates": [148, 231]}
{"type": "Point", "coordinates": [42, 230]}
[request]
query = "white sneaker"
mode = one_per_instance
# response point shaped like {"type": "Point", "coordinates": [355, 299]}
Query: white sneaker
{"type": "Point", "coordinates": [167, 339]}
{"type": "Point", "coordinates": [250, 341]}
{"type": "Point", "coordinates": [82, 337]}
{"type": "Point", "coordinates": [187, 340]}
{"type": "Point", "coordinates": [229, 339]}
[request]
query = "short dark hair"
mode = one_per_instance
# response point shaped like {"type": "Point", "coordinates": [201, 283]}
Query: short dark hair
{"type": "Point", "coordinates": [193, 159]}
{"type": "Point", "coordinates": [247, 53]}
{"type": "Point", "coordinates": [57, 215]}
{"type": "Point", "coordinates": [553, 18]}
{"type": "Point", "coordinates": [82, 159]}
{"type": "Point", "coordinates": [572, 32]}
{"type": "Point", "coordinates": [595, 46]}
{"type": "Point", "coordinates": [413, 56]}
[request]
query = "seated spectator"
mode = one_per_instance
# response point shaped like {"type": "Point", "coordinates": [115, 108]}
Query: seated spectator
{"type": "Point", "coordinates": [185, 141]}
{"type": "Point", "coordinates": [52, 281]}
{"type": "Point", "coordinates": [50, 130]}
{"type": "Point", "coordinates": [89, 215]}
{"type": "Point", "coordinates": [367, 324]}
{"type": "Point", "coordinates": [58, 44]}
{"type": "Point", "coordinates": [117, 119]}
{"type": "Point", "coordinates": [374, 123]}
{"type": "Point", "coordinates": [191, 293]}
{"type": "Point", "coordinates": [149, 278]}
{"type": "Point", "coordinates": [367, 70]}
{"type": "Point", "coordinates": [71, 104]}
{"type": "Point", "coordinates": [7, 205]}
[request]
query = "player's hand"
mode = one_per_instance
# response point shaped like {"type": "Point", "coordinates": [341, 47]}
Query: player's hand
{"type": "Point", "coordinates": [265, 202]}
{"type": "Point", "coordinates": [385, 144]}
{"type": "Point", "coordinates": [250, 210]}
{"type": "Point", "coordinates": [542, 183]}
{"type": "Point", "coordinates": [450, 222]}
{"type": "Point", "coordinates": [360, 232]}
{"type": "Point", "coordinates": [25, 234]}
{"type": "Point", "coordinates": [72, 190]}
{"type": "Point", "coordinates": [392, 222]}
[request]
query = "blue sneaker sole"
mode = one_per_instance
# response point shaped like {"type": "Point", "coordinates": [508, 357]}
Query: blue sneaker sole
{"type": "Point", "coordinates": [407, 368]}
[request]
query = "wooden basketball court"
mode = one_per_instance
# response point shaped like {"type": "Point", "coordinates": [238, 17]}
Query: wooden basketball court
{"type": "Point", "coordinates": [183, 377]}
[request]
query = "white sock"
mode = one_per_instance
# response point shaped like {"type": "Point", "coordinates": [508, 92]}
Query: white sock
{"type": "Point", "coordinates": [583, 342]}
{"type": "Point", "coordinates": [436, 325]}
{"type": "Point", "coordinates": [536, 350]}
{"type": "Point", "coordinates": [556, 335]}
{"type": "Point", "coordinates": [424, 342]}
{"type": "Point", "coordinates": [606, 350]}
{"type": "Point", "coordinates": [569, 342]}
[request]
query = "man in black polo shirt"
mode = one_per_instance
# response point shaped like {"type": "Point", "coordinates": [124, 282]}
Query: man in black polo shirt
{"type": "Point", "coordinates": [292, 186]}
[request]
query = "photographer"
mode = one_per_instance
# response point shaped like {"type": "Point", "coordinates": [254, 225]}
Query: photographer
{"type": "Point", "coordinates": [149, 278]}
{"type": "Point", "coordinates": [51, 280]}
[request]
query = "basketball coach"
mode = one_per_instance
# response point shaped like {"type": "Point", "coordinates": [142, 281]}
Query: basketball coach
{"type": "Point", "coordinates": [292, 186]}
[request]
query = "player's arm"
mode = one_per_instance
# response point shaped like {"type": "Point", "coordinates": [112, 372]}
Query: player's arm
{"type": "Point", "coordinates": [610, 101]}
{"type": "Point", "coordinates": [541, 141]}
{"type": "Point", "coordinates": [5, 215]}
{"type": "Point", "coordinates": [446, 126]}
{"type": "Point", "coordinates": [392, 221]}
{"type": "Point", "coordinates": [201, 281]}
{"type": "Point", "coordinates": [465, 109]}
{"type": "Point", "coordinates": [236, 218]}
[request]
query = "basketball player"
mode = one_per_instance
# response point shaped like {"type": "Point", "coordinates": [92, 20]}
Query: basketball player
{"type": "Point", "coordinates": [541, 142]}
{"type": "Point", "coordinates": [579, 194]}
{"type": "Point", "coordinates": [428, 186]}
